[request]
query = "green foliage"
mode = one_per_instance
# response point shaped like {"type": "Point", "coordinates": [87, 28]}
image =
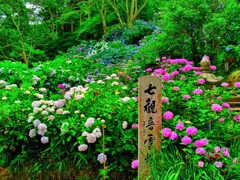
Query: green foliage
{"type": "Point", "coordinates": [128, 36]}
{"type": "Point", "coordinates": [192, 28]}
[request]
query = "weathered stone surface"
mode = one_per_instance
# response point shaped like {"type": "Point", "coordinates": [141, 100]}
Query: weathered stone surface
{"type": "Point", "coordinates": [150, 119]}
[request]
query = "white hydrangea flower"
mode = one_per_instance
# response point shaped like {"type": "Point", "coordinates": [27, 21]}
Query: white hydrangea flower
{"type": "Point", "coordinates": [32, 133]}
{"type": "Point", "coordinates": [42, 89]}
{"type": "Point", "coordinates": [66, 112]}
{"type": "Point", "coordinates": [113, 75]}
{"type": "Point", "coordinates": [108, 78]}
{"type": "Point", "coordinates": [124, 87]}
{"type": "Point", "coordinates": [82, 147]}
{"type": "Point", "coordinates": [79, 96]}
{"type": "Point", "coordinates": [125, 99]}
{"type": "Point", "coordinates": [51, 117]}
{"type": "Point", "coordinates": [89, 122]}
{"type": "Point", "coordinates": [42, 127]}
{"type": "Point", "coordinates": [30, 119]}
{"type": "Point", "coordinates": [85, 134]}
{"type": "Point", "coordinates": [27, 92]}
{"type": "Point", "coordinates": [44, 139]}
{"type": "Point", "coordinates": [125, 124]}
{"type": "Point", "coordinates": [59, 111]}
{"type": "Point", "coordinates": [40, 96]}
{"type": "Point", "coordinates": [35, 104]}
{"type": "Point", "coordinates": [115, 83]}
{"type": "Point", "coordinates": [8, 87]}
{"type": "Point", "coordinates": [100, 82]}
{"type": "Point", "coordinates": [4, 98]}
{"type": "Point", "coordinates": [102, 158]}
{"type": "Point", "coordinates": [36, 122]}
{"type": "Point", "coordinates": [91, 138]}
{"type": "Point", "coordinates": [44, 112]}
{"type": "Point", "coordinates": [76, 112]}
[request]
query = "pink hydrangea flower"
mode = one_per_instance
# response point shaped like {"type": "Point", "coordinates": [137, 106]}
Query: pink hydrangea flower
{"type": "Point", "coordinates": [182, 78]}
{"type": "Point", "coordinates": [186, 140]}
{"type": "Point", "coordinates": [176, 88]}
{"type": "Point", "coordinates": [191, 131]}
{"type": "Point", "coordinates": [164, 58]}
{"type": "Point", "coordinates": [134, 126]}
{"type": "Point", "coordinates": [201, 164]}
{"type": "Point", "coordinates": [197, 91]}
{"type": "Point", "coordinates": [200, 150]}
{"type": "Point", "coordinates": [165, 99]}
{"type": "Point", "coordinates": [134, 89]}
{"type": "Point", "coordinates": [134, 164]}
{"type": "Point", "coordinates": [166, 132]}
{"type": "Point", "coordinates": [166, 77]}
{"type": "Point", "coordinates": [158, 59]}
{"type": "Point", "coordinates": [180, 126]}
{"type": "Point", "coordinates": [216, 107]}
{"type": "Point", "coordinates": [221, 119]}
{"type": "Point", "coordinates": [226, 153]}
{"type": "Point", "coordinates": [198, 73]}
{"type": "Point", "coordinates": [217, 149]}
{"type": "Point", "coordinates": [235, 161]}
{"type": "Point", "coordinates": [201, 142]}
{"type": "Point", "coordinates": [168, 115]}
{"type": "Point", "coordinates": [175, 73]}
{"type": "Point", "coordinates": [218, 164]}
{"type": "Point", "coordinates": [237, 84]}
{"type": "Point", "coordinates": [186, 96]}
{"type": "Point", "coordinates": [149, 69]}
{"type": "Point", "coordinates": [60, 86]}
{"type": "Point", "coordinates": [224, 84]}
{"type": "Point", "coordinates": [201, 81]}
{"type": "Point", "coordinates": [187, 68]}
{"type": "Point", "coordinates": [213, 67]}
{"type": "Point", "coordinates": [173, 136]}
{"type": "Point", "coordinates": [237, 117]}
{"type": "Point", "coordinates": [226, 105]}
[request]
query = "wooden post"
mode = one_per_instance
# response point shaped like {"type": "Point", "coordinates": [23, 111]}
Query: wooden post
{"type": "Point", "coordinates": [149, 120]}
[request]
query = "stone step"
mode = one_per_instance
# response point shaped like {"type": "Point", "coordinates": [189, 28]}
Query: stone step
{"type": "Point", "coordinates": [234, 103]}
{"type": "Point", "coordinates": [235, 99]}
{"type": "Point", "coordinates": [236, 109]}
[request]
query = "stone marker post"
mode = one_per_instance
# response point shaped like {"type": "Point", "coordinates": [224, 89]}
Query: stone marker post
{"type": "Point", "coordinates": [149, 119]}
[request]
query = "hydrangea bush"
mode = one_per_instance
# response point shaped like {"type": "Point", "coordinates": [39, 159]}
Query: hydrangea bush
{"type": "Point", "coordinates": [198, 123]}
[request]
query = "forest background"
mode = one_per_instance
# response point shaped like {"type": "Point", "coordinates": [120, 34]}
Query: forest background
{"type": "Point", "coordinates": [37, 31]}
